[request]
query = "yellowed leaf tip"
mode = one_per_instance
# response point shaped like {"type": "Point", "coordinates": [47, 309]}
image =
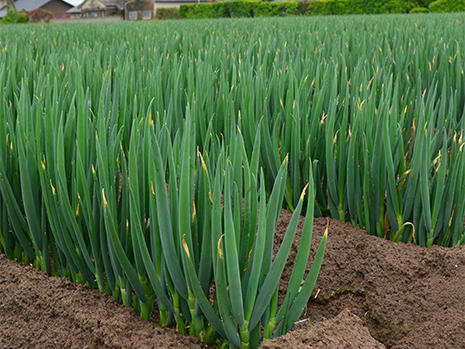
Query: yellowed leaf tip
{"type": "Point", "coordinates": [194, 211]}
{"type": "Point", "coordinates": [105, 203]}
{"type": "Point", "coordinates": [204, 166]}
{"type": "Point", "coordinates": [151, 187]}
{"type": "Point", "coordinates": [327, 228]}
{"type": "Point", "coordinates": [93, 169]}
{"type": "Point", "coordinates": [451, 216]}
{"type": "Point", "coordinates": [302, 196]}
{"type": "Point", "coordinates": [335, 137]}
{"type": "Point", "coordinates": [413, 230]}
{"type": "Point", "coordinates": [184, 245]}
{"type": "Point", "coordinates": [286, 159]}
{"type": "Point", "coordinates": [220, 251]}
{"type": "Point", "coordinates": [250, 252]}
{"type": "Point", "coordinates": [53, 188]}
{"type": "Point", "coordinates": [404, 178]}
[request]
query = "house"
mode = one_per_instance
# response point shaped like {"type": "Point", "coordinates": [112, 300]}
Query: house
{"type": "Point", "coordinates": [74, 12]}
{"type": "Point", "coordinates": [139, 10]}
{"type": "Point", "coordinates": [97, 8]}
{"type": "Point", "coordinates": [57, 7]}
{"type": "Point", "coordinates": [130, 9]}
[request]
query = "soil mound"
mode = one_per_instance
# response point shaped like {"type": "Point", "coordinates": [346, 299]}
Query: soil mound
{"type": "Point", "coordinates": [370, 292]}
{"type": "Point", "coordinates": [407, 296]}
{"type": "Point", "coordinates": [345, 331]}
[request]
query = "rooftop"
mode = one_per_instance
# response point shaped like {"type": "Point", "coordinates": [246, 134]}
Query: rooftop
{"type": "Point", "coordinates": [28, 5]}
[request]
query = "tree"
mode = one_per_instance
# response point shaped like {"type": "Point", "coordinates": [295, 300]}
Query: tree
{"type": "Point", "coordinates": [10, 4]}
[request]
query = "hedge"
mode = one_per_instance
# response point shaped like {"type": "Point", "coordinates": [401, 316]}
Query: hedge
{"type": "Point", "coordinates": [447, 6]}
{"type": "Point", "coordinates": [317, 7]}
{"type": "Point", "coordinates": [399, 6]}
{"type": "Point", "coordinates": [419, 10]}
{"type": "Point", "coordinates": [167, 13]}
{"type": "Point", "coordinates": [240, 9]}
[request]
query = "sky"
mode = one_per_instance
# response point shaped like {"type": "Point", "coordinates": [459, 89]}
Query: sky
{"type": "Point", "coordinates": [74, 2]}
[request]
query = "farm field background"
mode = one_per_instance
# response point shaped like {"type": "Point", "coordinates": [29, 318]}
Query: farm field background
{"type": "Point", "coordinates": [118, 143]}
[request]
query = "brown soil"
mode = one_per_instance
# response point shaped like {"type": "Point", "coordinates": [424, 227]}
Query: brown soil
{"type": "Point", "coordinates": [346, 330]}
{"type": "Point", "coordinates": [38, 311]}
{"type": "Point", "coordinates": [371, 293]}
{"type": "Point", "coordinates": [407, 296]}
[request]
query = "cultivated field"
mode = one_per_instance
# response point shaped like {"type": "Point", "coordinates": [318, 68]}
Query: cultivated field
{"type": "Point", "coordinates": [152, 160]}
